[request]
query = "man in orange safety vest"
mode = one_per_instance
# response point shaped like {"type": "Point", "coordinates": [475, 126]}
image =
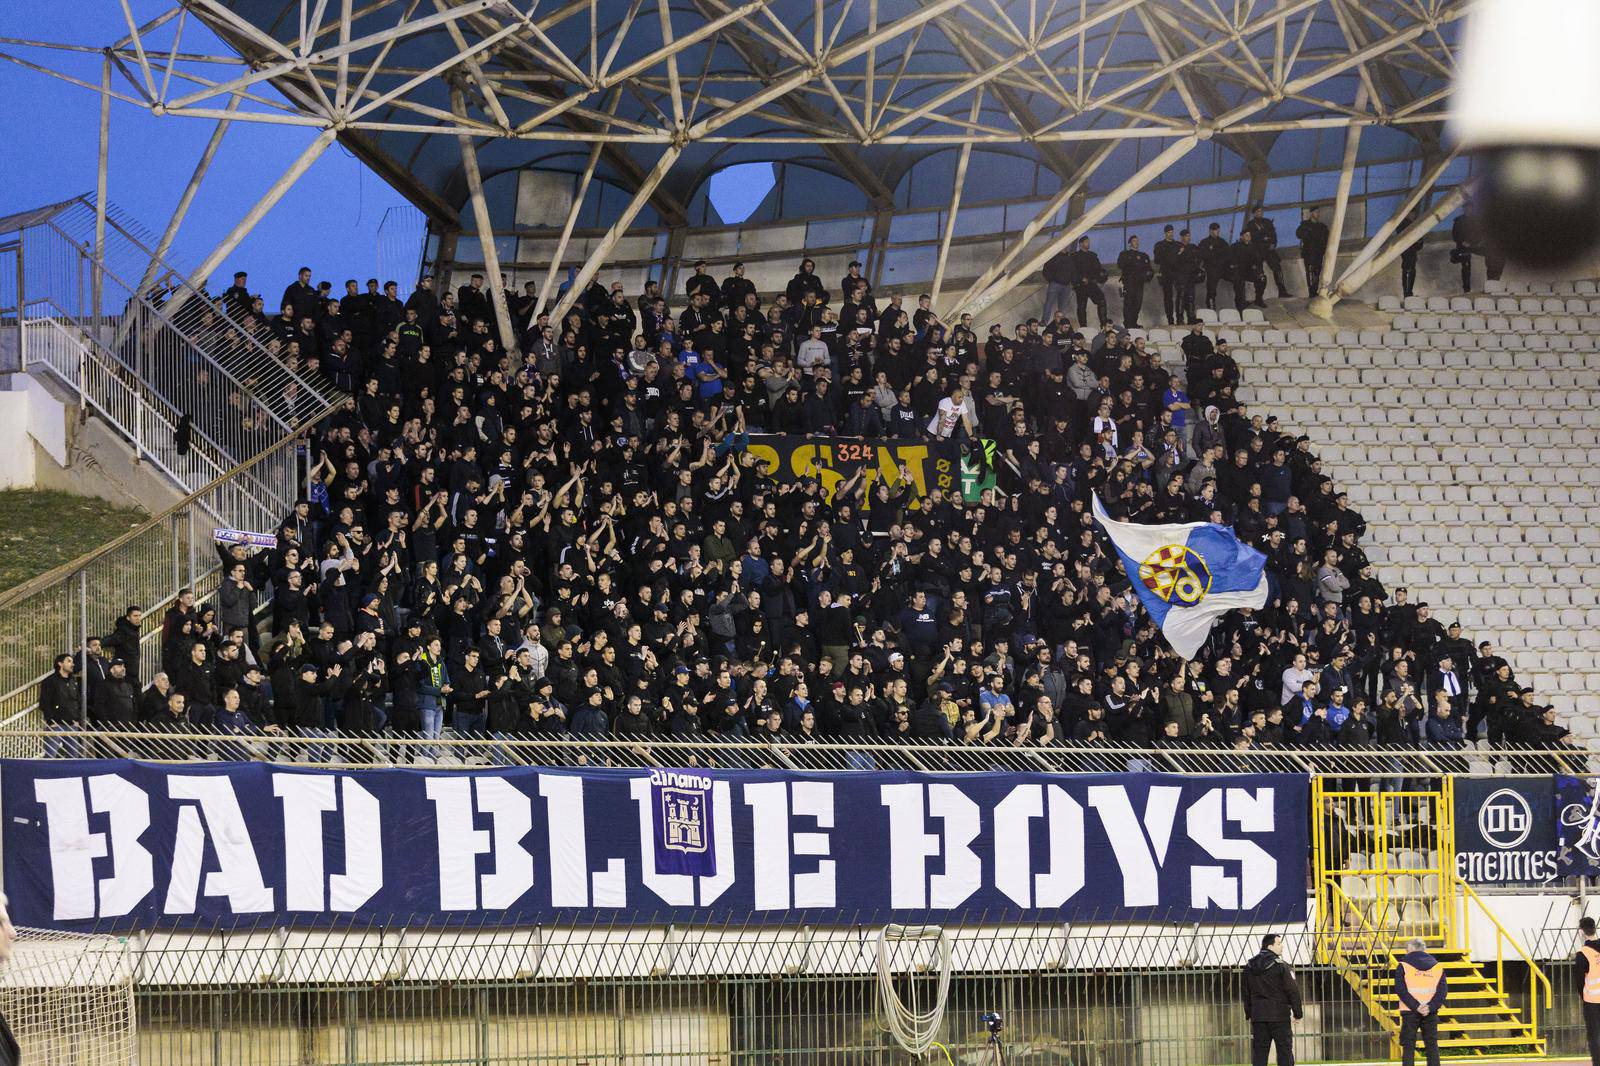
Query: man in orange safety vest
{"type": "Point", "coordinates": [1589, 974]}
{"type": "Point", "coordinates": [1422, 986]}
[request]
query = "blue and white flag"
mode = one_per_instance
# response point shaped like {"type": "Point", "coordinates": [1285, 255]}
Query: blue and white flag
{"type": "Point", "coordinates": [680, 804]}
{"type": "Point", "coordinates": [1187, 575]}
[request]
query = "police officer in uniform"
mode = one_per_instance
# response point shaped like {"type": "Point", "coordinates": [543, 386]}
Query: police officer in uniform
{"type": "Point", "coordinates": [1422, 986]}
{"type": "Point", "coordinates": [1165, 251]}
{"type": "Point", "coordinates": [1244, 263]}
{"type": "Point", "coordinates": [1214, 254]}
{"type": "Point", "coordinates": [1137, 272]}
{"type": "Point", "coordinates": [1589, 974]}
{"type": "Point", "coordinates": [1464, 231]}
{"type": "Point", "coordinates": [1264, 235]}
{"type": "Point", "coordinates": [1312, 234]}
{"type": "Point", "coordinates": [1087, 276]}
{"type": "Point", "coordinates": [1186, 270]}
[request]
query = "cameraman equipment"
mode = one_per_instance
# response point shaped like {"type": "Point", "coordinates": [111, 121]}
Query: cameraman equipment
{"type": "Point", "coordinates": [1527, 106]}
{"type": "Point", "coordinates": [994, 1022]}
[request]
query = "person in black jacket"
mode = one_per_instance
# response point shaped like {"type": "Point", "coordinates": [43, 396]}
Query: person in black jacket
{"type": "Point", "coordinates": [1271, 996]}
{"type": "Point", "coordinates": [123, 643]}
{"type": "Point", "coordinates": [1312, 234]}
{"type": "Point", "coordinates": [1165, 254]}
{"type": "Point", "coordinates": [1187, 268]}
{"type": "Point", "coordinates": [61, 706]}
{"type": "Point", "coordinates": [1264, 235]}
{"type": "Point", "coordinates": [1137, 272]}
{"type": "Point", "coordinates": [1087, 275]}
{"type": "Point", "coordinates": [1244, 268]}
{"type": "Point", "coordinates": [114, 700]}
{"type": "Point", "coordinates": [1057, 273]}
{"type": "Point", "coordinates": [1215, 254]}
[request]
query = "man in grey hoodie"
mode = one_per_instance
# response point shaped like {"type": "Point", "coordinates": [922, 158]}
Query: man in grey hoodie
{"type": "Point", "coordinates": [1422, 986]}
{"type": "Point", "coordinates": [1271, 995]}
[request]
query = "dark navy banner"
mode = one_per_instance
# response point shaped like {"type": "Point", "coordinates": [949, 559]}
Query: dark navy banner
{"type": "Point", "coordinates": [1505, 831]}
{"type": "Point", "coordinates": [127, 845]}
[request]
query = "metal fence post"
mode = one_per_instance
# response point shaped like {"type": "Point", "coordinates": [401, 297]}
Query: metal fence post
{"type": "Point", "coordinates": [83, 644]}
{"type": "Point", "coordinates": [190, 511]}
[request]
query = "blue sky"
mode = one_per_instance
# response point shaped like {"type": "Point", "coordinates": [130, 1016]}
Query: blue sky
{"type": "Point", "coordinates": [330, 220]}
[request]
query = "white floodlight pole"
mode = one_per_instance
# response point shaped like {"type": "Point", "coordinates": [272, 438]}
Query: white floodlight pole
{"type": "Point", "coordinates": [619, 228]}
{"type": "Point", "coordinates": [252, 218]}
{"type": "Point", "coordinates": [480, 214]}
{"type": "Point", "coordinates": [1341, 201]}
{"type": "Point", "coordinates": [102, 170]}
{"type": "Point", "coordinates": [1358, 274]}
{"type": "Point", "coordinates": [1113, 200]}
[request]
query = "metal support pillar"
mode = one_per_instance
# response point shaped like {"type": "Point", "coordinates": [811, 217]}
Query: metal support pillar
{"type": "Point", "coordinates": [480, 214]}
{"type": "Point", "coordinates": [619, 228]}
{"type": "Point", "coordinates": [567, 227]}
{"type": "Point", "coordinates": [1358, 273]}
{"type": "Point", "coordinates": [101, 174]}
{"type": "Point", "coordinates": [955, 204]}
{"type": "Point", "coordinates": [170, 234]}
{"type": "Point", "coordinates": [1341, 201]}
{"type": "Point", "coordinates": [1113, 200]}
{"type": "Point", "coordinates": [252, 218]}
{"type": "Point", "coordinates": [1430, 177]}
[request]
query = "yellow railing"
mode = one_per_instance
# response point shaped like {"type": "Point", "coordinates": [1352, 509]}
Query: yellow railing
{"type": "Point", "coordinates": [1536, 975]}
{"type": "Point", "coordinates": [1362, 971]}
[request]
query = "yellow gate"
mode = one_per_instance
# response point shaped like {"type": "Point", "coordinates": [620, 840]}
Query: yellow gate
{"type": "Point", "coordinates": [1385, 866]}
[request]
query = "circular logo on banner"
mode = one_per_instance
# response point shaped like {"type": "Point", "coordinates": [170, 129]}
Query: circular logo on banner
{"type": "Point", "coordinates": [1176, 574]}
{"type": "Point", "coordinates": [1504, 819]}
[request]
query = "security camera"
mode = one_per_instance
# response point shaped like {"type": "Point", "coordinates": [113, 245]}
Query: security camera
{"type": "Point", "coordinates": [1527, 106]}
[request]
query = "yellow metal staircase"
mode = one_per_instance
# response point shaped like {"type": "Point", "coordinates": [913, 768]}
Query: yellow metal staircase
{"type": "Point", "coordinates": [1385, 874]}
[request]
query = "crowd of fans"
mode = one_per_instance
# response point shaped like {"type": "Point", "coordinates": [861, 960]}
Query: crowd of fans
{"type": "Point", "coordinates": [565, 533]}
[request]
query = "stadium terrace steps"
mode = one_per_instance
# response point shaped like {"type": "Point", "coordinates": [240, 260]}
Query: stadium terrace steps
{"type": "Point", "coordinates": [1464, 431]}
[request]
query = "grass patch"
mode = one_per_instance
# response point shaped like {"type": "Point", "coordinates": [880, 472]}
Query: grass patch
{"type": "Point", "coordinates": [41, 530]}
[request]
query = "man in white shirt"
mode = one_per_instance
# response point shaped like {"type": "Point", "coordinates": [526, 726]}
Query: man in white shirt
{"type": "Point", "coordinates": [955, 419]}
{"type": "Point", "coordinates": [813, 352]}
{"type": "Point", "coordinates": [1295, 676]}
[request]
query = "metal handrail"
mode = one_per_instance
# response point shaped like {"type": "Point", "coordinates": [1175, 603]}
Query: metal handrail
{"type": "Point", "coordinates": [1536, 974]}
{"type": "Point", "coordinates": [50, 577]}
{"type": "Point", "coordinates": [354, 748]}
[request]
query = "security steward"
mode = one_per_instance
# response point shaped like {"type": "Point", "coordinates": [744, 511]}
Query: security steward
{"type": "Point", "coordinates": [1137, 272]}
{"type": "Point", "coordinates": [1422, 986]}
{"type": "Point", "coordinates": [1165, 254]}
{"type": "Point", "coordinates": [1214, 255]}
{"type": "Point", "coordinates": [1087, 276]}
{"type": "Point", "coordinates": [1271, 996]}
{"type": "Point", "coordinates": [1589, 972]}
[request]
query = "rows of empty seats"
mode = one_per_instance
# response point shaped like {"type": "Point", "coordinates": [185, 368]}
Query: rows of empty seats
{"type": "Point", "coordinates": [1465, 433]}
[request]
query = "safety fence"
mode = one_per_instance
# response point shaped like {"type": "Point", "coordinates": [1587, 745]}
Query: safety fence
{"type": "Point", "coordinates": [1156, 993]}
{"type": "Point", "coordinates": [1152, 993]}
{"type": "Point", "coordinates": [59, 611]}
{"type": "Point", "coordinates": [1389, 769]}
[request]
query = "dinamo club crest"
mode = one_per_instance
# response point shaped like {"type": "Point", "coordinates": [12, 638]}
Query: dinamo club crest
{"type": "Point", "coordinates": [1176, 574]}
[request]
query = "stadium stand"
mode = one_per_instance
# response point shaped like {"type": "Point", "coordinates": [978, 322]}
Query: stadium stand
{"type": "Point", "coordinates": [590, 539]}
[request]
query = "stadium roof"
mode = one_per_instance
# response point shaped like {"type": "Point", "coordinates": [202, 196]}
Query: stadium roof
{"type": "Point", "coordinates": [652, 97]}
